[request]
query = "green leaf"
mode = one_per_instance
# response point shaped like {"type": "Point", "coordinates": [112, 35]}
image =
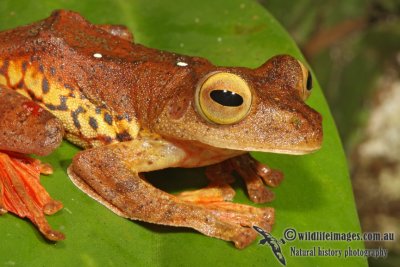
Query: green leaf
{"type": "Point", "coordinates": [316, 194]}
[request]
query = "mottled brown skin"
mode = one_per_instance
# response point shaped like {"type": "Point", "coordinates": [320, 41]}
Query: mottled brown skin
{"type": "Point", "coordinates": [135, 107]}
{"type": "Point", "coordinates": [131, 69]}
{"type": "Point", "coordinates": [25, 127]}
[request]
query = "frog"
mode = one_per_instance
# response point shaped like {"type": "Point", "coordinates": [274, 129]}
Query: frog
{"type": "Point", "coordinates": [135, 109]}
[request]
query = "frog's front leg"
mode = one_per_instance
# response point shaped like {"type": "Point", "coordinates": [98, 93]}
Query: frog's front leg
{"type": "Point", "coordinates": [255, 174]}
{"type": "Point", "coordinates": [112, 175]}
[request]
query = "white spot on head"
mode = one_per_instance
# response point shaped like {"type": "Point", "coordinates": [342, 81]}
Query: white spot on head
{"type": "Point", "coordinates": [97, 55]}
{"type": "Point", "coordinates": [181, 64]}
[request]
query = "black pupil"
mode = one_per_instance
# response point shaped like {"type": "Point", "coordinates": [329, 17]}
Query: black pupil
{"type": "Point", "coordinates": [309, 81]}
{"type": "Point", "coordinates": [226, 98]}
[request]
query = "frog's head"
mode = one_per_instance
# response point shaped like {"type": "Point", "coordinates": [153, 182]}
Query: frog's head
{"type": "Point", "coordinates": [259, 109]}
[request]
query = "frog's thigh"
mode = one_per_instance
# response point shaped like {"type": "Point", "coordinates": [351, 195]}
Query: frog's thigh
{"type": "Point", "coordinates": [25, 127]}
{"type": "Point", "coordinates": [110, 174]}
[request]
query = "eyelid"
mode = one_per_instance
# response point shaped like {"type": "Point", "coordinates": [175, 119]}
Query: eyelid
{"type": "Point", "coordinates": [304, 91]}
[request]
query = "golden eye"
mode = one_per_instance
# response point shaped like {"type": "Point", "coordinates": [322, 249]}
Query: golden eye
{"type": "Point", "coordinates": [223, 98]}
{"type": "Point", "coordinates": [306, 83]}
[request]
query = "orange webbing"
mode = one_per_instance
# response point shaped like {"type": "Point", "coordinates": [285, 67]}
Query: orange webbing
{"type": "Point", "coordinates": [22, 194]}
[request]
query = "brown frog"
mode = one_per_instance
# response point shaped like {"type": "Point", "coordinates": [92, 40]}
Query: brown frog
{"type": "Point", "coordinates": [137, 109]}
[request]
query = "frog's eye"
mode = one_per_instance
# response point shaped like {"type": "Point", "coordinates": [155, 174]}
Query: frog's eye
{"type": "Point", "coordinates": [306, 83]}
{"type": "Point", "coordinates": [223, 98]}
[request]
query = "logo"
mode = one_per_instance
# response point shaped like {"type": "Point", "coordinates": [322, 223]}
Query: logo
{"type": "Point", "coordinates": [273, 243]}
{"type": "Point", "coordinates": [328, 239]}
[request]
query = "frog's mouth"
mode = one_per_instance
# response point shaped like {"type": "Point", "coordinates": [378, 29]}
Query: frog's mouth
{"type": "Point", "coordinates": [282, 132]}
{"type": "Point", "coordinates": [294, 152]}
{"type": "Point", "coordinates": [251, 135]}
{"type": "Point", "coordinates": [300, 149]}
{"type": "Point", "coordinates": [288, 151]}
{"type": "Point", "coordinates": [289, 127]}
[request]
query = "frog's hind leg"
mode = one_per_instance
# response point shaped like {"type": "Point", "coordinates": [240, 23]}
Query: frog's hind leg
{"type": "Point", "coordinates": [255, 175]}
{"type": "Point", "coordinates": [211, 193]}
{"type": "Point", "coordinates": [216, 196]}
{"type": "Point", "coordinates": [219, 189]}
{"type": "Point", "coordinates": [111, 174]}
{"type": "Point", "coordinates": [22, 193]}
{"type": "Point", "coordinates": [25, 127]}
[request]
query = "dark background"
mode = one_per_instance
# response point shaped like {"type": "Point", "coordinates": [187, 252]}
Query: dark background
{"type": "Point", "coordinates": [354, 48]}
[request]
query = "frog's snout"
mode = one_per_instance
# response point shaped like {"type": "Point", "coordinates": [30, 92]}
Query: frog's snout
{"type": "Point", "coordinates": [314, 133]}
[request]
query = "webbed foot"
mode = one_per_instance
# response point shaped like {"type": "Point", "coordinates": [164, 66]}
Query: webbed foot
{"type": "Point", "coordinates": [22, 194]}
